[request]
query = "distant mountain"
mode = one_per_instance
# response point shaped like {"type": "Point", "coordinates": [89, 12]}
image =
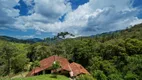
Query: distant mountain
{"type": "Point", "coordinates": [132, 32]}
{"type": "Point", "coordinates": [7, 38]}
{"type": "Point", "coordinates": [34, 40]}
{"type": "Point", "coordinates": [12, 39]}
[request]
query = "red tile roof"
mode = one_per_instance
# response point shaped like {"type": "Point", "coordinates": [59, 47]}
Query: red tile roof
{"type": "Point", "coordinates": [65, 65]}
{"type": "Point", "coordinates": [47, 63]}
{"type": "Point", "coordinates": [78, 69]}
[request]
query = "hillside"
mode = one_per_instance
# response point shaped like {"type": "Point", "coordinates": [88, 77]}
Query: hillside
{"type": "Point", "coordinates": [108, 56]}
{"type": "Point", "coordinates": [131, 32]}
{"type": "Point", "coordinates": [12, 39]}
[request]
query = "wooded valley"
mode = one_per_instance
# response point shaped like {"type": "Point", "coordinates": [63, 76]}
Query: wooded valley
{"type": "Point", "coordinates": [108, 56]}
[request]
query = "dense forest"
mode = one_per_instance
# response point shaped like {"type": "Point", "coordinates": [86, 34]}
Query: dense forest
{"type": "Point", "coordinates": [108, 56]}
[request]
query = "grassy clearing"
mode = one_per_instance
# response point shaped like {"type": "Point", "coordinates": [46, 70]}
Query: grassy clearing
{"type": "Point", "coordinates": [44, 77]}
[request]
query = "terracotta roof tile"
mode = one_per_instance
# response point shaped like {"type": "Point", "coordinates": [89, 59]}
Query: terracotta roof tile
{"type": "Point", "coordinates": [78, 69]}
{"type": "Point", "coordinates": [75, 68]}
{"type": "Point", "coordinates": [47, 62]}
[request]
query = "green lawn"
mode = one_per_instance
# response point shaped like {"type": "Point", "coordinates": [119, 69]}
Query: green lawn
{"type": "Point", "coordinates": [42, 77]}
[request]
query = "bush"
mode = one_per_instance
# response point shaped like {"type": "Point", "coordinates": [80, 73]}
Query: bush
{"type": "Point", "coordinates": [85, 77]}
{"type": "Point", "coordinates": [115, 77]}
{"type": "Point", "coordinates": [131, 76]}
{"type": "Point", "coordinates": [99, 75]}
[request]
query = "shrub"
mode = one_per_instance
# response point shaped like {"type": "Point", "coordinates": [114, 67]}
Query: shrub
{"type": "Point", "coordinates": [85, 77]}
{"type": "Point", "coordinates": [99, 75]}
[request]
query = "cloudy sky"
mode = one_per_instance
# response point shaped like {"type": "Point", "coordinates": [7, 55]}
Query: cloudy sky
{"type": "Point", "coordinates": [46, 18]}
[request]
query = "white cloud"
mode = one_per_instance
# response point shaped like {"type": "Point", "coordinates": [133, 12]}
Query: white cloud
{"type": "Point", "coordinates": [52, 10]}
{"type": "Point", "coordinates": [98, 16]}
{"type": "Point", "coordinates": [7, 7]}
{"type": "Point", "coordinates": [30, 5]}
{"type": "Point", "coordinates": [29, 2]}
{"type": "Point", "coordinates": [136, 21]}
{"type": "Point", "coordinates": [7, 12]}
{"type": "Point", "coordinates": [94, 17]}
{"type": "Point", "coordinates": [119, 5]}
{"type": "Point", "coordinates": [25, 36]}
{"type": "Point", "coordinates": [46, 12]}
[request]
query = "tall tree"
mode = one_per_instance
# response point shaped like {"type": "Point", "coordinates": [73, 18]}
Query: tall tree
{"type": "Point", "coordinates": [63, 34]}
{"type": "Point", "coordinates": [8, 51]}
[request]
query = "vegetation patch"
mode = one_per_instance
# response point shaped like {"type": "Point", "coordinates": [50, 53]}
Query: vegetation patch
{"type": "Point", "coordinates": [44, 77]}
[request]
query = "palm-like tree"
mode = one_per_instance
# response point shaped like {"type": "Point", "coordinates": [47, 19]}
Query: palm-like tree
{"type": "Point", "coordinates": [63, 34]}
{"type": "Point", "coordinates": [55, 67]}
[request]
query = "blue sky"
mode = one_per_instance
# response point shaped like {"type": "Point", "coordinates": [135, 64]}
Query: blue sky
{"type": "Point", "coordinates": [45, 18]}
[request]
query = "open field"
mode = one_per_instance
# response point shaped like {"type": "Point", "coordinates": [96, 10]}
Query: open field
{"type": "Point", "coordinates": [41, 77]}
